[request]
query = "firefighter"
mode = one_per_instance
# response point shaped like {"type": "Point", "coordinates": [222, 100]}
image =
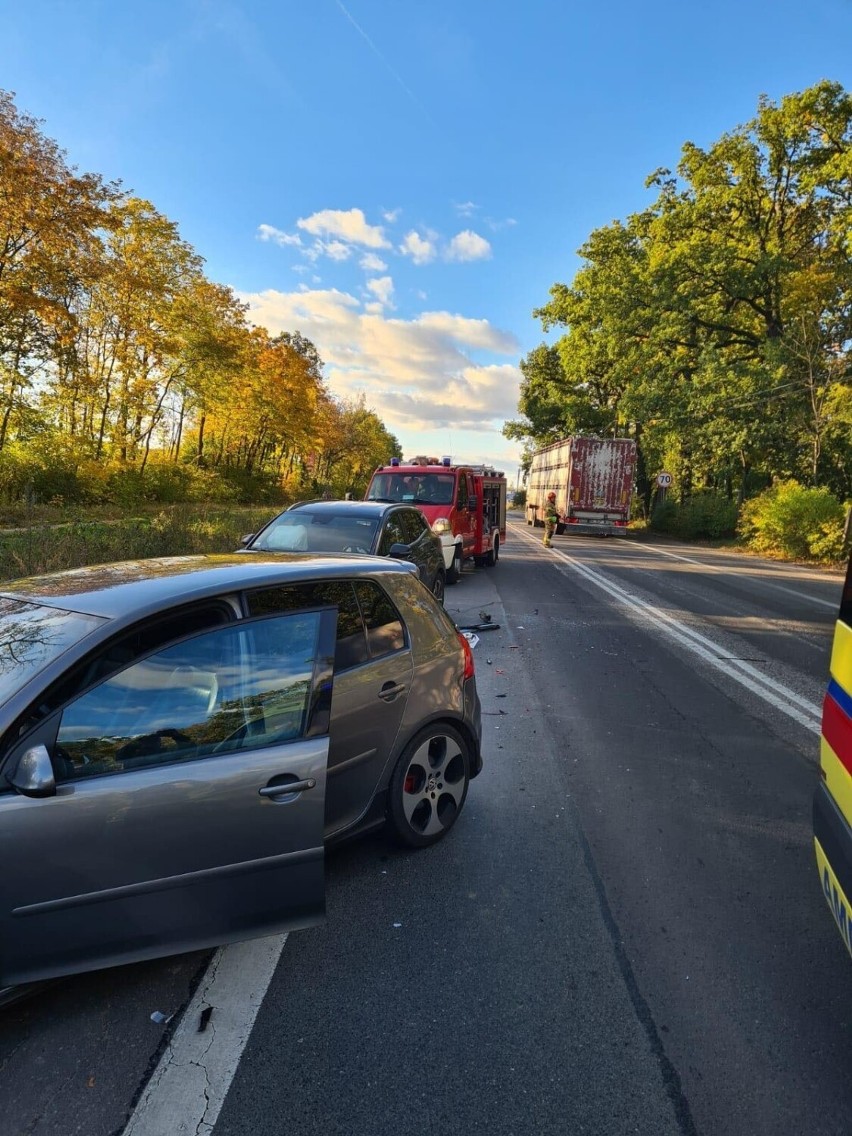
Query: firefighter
{"type": "Point", "coordinates": [551, 517]}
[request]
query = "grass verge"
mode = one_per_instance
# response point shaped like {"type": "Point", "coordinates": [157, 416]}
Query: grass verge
{"type": "Point", "coordinates": [178, 531]}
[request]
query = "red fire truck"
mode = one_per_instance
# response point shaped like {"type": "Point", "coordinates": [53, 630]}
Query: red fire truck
{"type": "Point", "coordinates": [464, 504]}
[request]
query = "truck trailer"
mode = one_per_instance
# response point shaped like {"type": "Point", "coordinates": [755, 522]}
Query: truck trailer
{"type": "Point", "coordinates": [593, 482]}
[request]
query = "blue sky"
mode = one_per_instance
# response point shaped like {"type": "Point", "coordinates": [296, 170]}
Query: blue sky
{"type": "Point", "coordinates": [403, 181]}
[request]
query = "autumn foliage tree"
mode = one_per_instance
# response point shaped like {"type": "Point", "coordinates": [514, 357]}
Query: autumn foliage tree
{"type": "Point", "coordinates": [123, 367]}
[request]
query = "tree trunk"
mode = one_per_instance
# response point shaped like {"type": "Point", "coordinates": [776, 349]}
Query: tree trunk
{"type": "Point", "coordinates": [202, 421]}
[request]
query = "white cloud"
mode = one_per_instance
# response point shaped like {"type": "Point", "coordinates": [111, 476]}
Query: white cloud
{"type": "Point", "coordinates": [337, 250]}
{"type": "Point", "coordinates": [468, 245]}
{"type": "Point", "coordinates": [372, 263]}
{"type": "Point", "coordinates": [334, 250]}
{"type": "Point", "coordinates": [496, 226]}
{"type": "Point", "coordinates": [420, 249]}
{"type": "Point", "coordinates": [391, 215]}
{"type": "Point", "coordinates": [344, 224]}
{"type": "Point", "coordinates": [419, 374]}
{"type": "Point", "coordinates": [466, 208]}
{"type": "Point", "coordinates": [382, 288]}
{"type": "Point", "coordinates": [270, 233]}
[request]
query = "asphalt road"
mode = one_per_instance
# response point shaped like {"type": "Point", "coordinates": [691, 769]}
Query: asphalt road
{"type": "Point", "coordinates": [624, 934]}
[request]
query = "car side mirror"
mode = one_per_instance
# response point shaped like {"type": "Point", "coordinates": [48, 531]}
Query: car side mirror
{"type": "Point", "coordinates": [33, 773]}
{"type": "Point", "coordinates": [399, 551]}
{"type": "Point", "coordinates": [472, 503]}
{"type": "Point", "coordinates": [244, 540]}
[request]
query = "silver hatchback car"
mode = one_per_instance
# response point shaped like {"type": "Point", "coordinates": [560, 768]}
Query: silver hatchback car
{"type": "Point", "coordinates": [180, 738]}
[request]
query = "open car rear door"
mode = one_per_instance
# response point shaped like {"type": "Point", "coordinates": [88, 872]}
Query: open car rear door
{"type": "Point", "coordinates": [177, 805]}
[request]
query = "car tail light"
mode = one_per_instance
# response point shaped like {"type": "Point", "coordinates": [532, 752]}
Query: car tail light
{"type": "Point", "coordinates": [468, 657]}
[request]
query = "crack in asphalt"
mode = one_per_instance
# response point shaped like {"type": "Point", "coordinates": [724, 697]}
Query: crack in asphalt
{"type": "Point", "coordinates": [644, 1015]}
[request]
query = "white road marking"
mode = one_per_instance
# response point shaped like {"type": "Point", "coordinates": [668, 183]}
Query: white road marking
{"type": "Point", "coordinates": [188, 1088]}
{"type": "Point", "coordinates": [725, 569]}
{"type": "Point", "coordinates": [801, 710]}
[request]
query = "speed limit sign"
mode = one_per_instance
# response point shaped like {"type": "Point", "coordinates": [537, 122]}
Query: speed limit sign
{"type": "Point", "coordinates": [664, 480]}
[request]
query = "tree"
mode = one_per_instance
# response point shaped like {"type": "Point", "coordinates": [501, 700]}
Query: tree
{"type": "Point", "coordinates": [50, 227]}
{"type": "Point", "coordinates": [716, 325]}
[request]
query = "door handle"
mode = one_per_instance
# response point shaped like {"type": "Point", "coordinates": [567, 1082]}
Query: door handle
{"type": "Point", "coordinates": [390, 691]}
{"type": "Point", "coordinates": [286, 788]}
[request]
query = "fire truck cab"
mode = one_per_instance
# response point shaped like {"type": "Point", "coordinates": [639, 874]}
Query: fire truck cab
{"type": "Point", "coordinates": [464, 504]}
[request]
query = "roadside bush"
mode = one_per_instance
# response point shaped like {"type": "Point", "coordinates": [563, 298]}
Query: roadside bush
{"type": "Point", "coordinates": [706, 515]}
{"type": "Point", "coordinates": [57, 473]}
{"type": "Point", "coordinates": [27, 476]}
{"type": "Point", "coordinates": [664, 517]}
{"type": "Point", "coordinates": [519, 498]}
{"type": "Point", "coordinates": [793, 520]}
{"type": "Point", "coordinates": [638, 511]}
{"type": "Point", "coordinates": [828, 543]}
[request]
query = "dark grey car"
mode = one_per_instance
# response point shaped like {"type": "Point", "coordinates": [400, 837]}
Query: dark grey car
{"type": "Point", "coordinates": [179, 738]}
{"type": "Point", "coordinates": [374, 527]}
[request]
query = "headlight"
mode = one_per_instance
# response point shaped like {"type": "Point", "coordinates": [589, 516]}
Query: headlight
{"type": "Point", "coordinates": [441, 526]}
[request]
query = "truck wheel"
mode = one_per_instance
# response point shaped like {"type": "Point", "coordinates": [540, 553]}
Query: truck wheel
{"type": "Point", "coordinates": [493, 555]}
{"type": "Point", "coordinates": [455, 569]}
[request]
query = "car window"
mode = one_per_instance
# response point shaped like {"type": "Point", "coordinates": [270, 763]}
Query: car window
{"type": "Point", "coordinates": [303, 531]}
{"type": "Point", "coordinates": [393, 533]}
{"type": "Point", "coordinates": [31, 636]}
{"type": "Point", "coordinates": [238, 687]}
{"type": "Point", "coordinates": [462, 497]}
{"type": "Point", "coordinates": [130, 645]}
{"type": "Point", "coordinates": [351, 646]}
{"type": "Point", "coordinates": [413, 525]}
{"type": "Point", "coordinates": [385, 632]}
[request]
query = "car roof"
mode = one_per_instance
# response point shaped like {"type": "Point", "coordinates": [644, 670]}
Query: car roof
{"type": "Point", "coordinates": [347, 508]}
{"type": "Point", "coordinates": [133, 588]}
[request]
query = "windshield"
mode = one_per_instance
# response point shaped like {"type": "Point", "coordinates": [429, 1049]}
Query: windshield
{"type": "Point", "coordinates": [422, 488]}
{"type": "Point", "coordinates": [318, 532]}
{"type": "Point", "coordinates": [31, 636]}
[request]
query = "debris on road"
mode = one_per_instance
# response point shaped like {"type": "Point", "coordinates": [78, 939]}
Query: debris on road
{"type": "Point", "coordinates": [204, 1019]}
{"type": "Point", "coordinates": [161, 1019]}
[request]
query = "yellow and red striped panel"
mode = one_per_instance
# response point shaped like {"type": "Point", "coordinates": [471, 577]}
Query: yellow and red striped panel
{"type": "Point", "coordinates": [833, 826]}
